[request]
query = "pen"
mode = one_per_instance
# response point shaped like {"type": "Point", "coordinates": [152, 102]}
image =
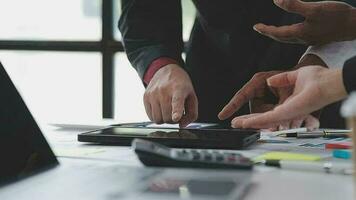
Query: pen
{"type": "Point", "coordinates": [319, 133]}
{"type": "Point", "coordinates": [326, 167]}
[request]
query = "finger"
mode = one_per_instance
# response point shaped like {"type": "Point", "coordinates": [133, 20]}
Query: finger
{"type": "Point", "coordinates": [191, 111]}
{"type": "Point", "coordinates": [289, 110]}
{"type": "Point", "coordinates": [294, 6]}
{"type": "Point", "coordinates": [284, 126]}
{"type": "Point", "coordinates": [283, 79]}
{"type": "Point", "coordinates": [289, 32]}
{"type": "Point", "coordinates": [177, 106]}
{"type": "Point", "coordinates": [156, 112]}
{"type": "Point", "coordinates": [260, 106]}
{"type": "Point", "coordinates": [297, 123]}
{"type": "Point", "coordinates": [273, 126]}
{"type": "Point", "coordinates": [148, 109]}
{"type": "Point", "coordinates": [166, 109]}
{"type": "Point", "coordinates": [239, 99]}
{"type": "Point", "coordinates": [238, 121]}
{"type": "Point", "coordinates": [311, 122]}
{"type": "Point", "coordinates": [246, 93]}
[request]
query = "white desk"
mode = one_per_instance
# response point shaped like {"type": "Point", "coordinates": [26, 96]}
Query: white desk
{"type": "Point", "coordinates": [268, 183]}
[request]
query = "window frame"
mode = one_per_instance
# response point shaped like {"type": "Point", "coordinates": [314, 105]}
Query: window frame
{"type": "Point", "coordinates": [108, 46]}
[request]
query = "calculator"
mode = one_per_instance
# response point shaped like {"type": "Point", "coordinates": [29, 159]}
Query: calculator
{"type": "Point", "coordinates": [158, 155]}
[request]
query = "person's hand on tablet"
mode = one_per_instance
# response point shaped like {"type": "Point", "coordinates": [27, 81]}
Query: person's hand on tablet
{"type": "Point", "coordinates": [313, 88]}
{"type": "Point", "coordinates": [325, 22]}
{"type": "Point", "coordinates": [258, 94]}
{"type": "Point", "coordinates": [170, 97]}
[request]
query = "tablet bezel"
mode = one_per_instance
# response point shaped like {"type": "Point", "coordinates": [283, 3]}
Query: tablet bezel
{"type": "Point", "coordinates": [216, 138]}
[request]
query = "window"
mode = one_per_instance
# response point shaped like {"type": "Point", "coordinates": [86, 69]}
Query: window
{"type": "Point", "coordinates": [64, 56]}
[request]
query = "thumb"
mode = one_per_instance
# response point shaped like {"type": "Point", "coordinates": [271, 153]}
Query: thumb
{"type": "Point", "coordinates": [283, 79]}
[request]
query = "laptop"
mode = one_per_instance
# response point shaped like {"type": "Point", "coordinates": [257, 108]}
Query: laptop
{"type": "Point", "coordinates": [29, 168]}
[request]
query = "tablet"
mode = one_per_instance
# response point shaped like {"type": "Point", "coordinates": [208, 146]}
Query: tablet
{"type": "Point", "coordinates": [207, 137]}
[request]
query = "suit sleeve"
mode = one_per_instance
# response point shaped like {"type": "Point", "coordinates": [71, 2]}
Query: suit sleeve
{"type": "Point", "coordinates": [151, 29]}
{"type": "Point", "coordinates": [349, 75]}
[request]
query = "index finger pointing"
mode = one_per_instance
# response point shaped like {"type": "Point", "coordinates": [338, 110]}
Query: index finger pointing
{"type": "Point", "coordinates": [177, 106]}
{"type": "Point", "coordinates": [240, 98]}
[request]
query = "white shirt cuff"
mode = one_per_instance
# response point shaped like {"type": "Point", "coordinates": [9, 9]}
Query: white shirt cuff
{"type": "Point", "coordinates": [334, 54]}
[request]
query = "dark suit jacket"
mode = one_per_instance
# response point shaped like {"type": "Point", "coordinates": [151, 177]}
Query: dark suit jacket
{"type": "Point", "coordinates": [349, 75]}
{"type": "Point", "coordinates": [223, 52]}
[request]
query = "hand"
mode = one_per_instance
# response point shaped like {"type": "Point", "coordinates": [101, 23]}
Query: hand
{"type": "Point", "coordinates": [325, 21]}
{"type": "Point", "coordinates": [257, 92]}
{"type": "Point", "coordinates": [313, 88]}
{"type": "Point", "coordinates": [170, 97]}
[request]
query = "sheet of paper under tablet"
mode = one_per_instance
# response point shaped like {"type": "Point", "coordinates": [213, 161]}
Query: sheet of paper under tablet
{"type": "Point", "coordinates": [192, 125]}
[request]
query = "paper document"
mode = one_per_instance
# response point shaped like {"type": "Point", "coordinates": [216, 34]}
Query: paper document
{"type": "Point", "coordinates": [190, 126]}
{"type": "Point", "coordinates": [84, 125]}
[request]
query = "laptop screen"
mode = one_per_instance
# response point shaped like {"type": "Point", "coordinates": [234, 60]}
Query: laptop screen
{"type": "Point", "coordinates": [23, 149]}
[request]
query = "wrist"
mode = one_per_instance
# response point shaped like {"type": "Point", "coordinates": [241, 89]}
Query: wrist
{"type": "Point", "coordinates": [332, 86]}
{"type": "Point", "coordinates": [170, 72]}
{"type": "Point", "coordinates": [310, 59]}
{"type": "Point", "coordinates": [155, 66]}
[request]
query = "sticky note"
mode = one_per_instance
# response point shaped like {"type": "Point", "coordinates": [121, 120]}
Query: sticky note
{"type": "Point", "coordinates": [287, 156]}
{"type": "Point", "coordinates": [339, 145]}
{"type": "Point", "coordinates": [344, 154]}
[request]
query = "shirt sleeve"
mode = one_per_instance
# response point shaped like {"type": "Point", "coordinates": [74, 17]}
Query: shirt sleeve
{"type": "Point", "coordinates": [155, 66]}
{"type": "Point", "coordinates": [349, 75]}
{"type": "Point", "coordinates": [334, 54]}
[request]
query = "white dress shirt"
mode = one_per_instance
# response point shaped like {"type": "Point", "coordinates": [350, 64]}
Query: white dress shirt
{"type": "Point", "coordinates": [334, 54]}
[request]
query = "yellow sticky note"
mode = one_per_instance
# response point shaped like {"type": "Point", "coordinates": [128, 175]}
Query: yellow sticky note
{"type": "Point", "coordinates": [287, 156]}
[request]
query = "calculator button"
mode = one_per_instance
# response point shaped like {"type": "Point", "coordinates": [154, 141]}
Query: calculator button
{"type": "Point", "coordinates": [219, 157]}
{"type": "Point", "coordinates": [184, 151]}
{"type": "Point", "coordinates": [231, 158]}
{"type": "Point", "coordinates": [194, 151]}
{"type": "Point", "coordinates": [196, 156]}
{"type": "Point", "coordinates": [204, 152]}
{"type": "Point", "coordinates": [208, 157]}
{"type": "Point", "coordinates": [182, 154]}
{"type": "Point", "coordinates": [232, 154]}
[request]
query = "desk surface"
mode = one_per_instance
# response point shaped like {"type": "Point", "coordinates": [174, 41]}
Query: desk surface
{"type": "Point", "coordinates": [268, 183]}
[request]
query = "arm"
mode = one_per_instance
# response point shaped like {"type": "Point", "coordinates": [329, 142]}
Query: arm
{"type": "Point", "coordinates": [150, 30]}
{"type": "Point", "coordinates": [152, 36]}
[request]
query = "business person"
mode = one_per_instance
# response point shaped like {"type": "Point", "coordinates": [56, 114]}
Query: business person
{"type": "Point", "coordinates": [223, 53]}
{"type": "Point", "coordinates": [317, 15]}
{"type": "Point", "coordinates": [313, 88]}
